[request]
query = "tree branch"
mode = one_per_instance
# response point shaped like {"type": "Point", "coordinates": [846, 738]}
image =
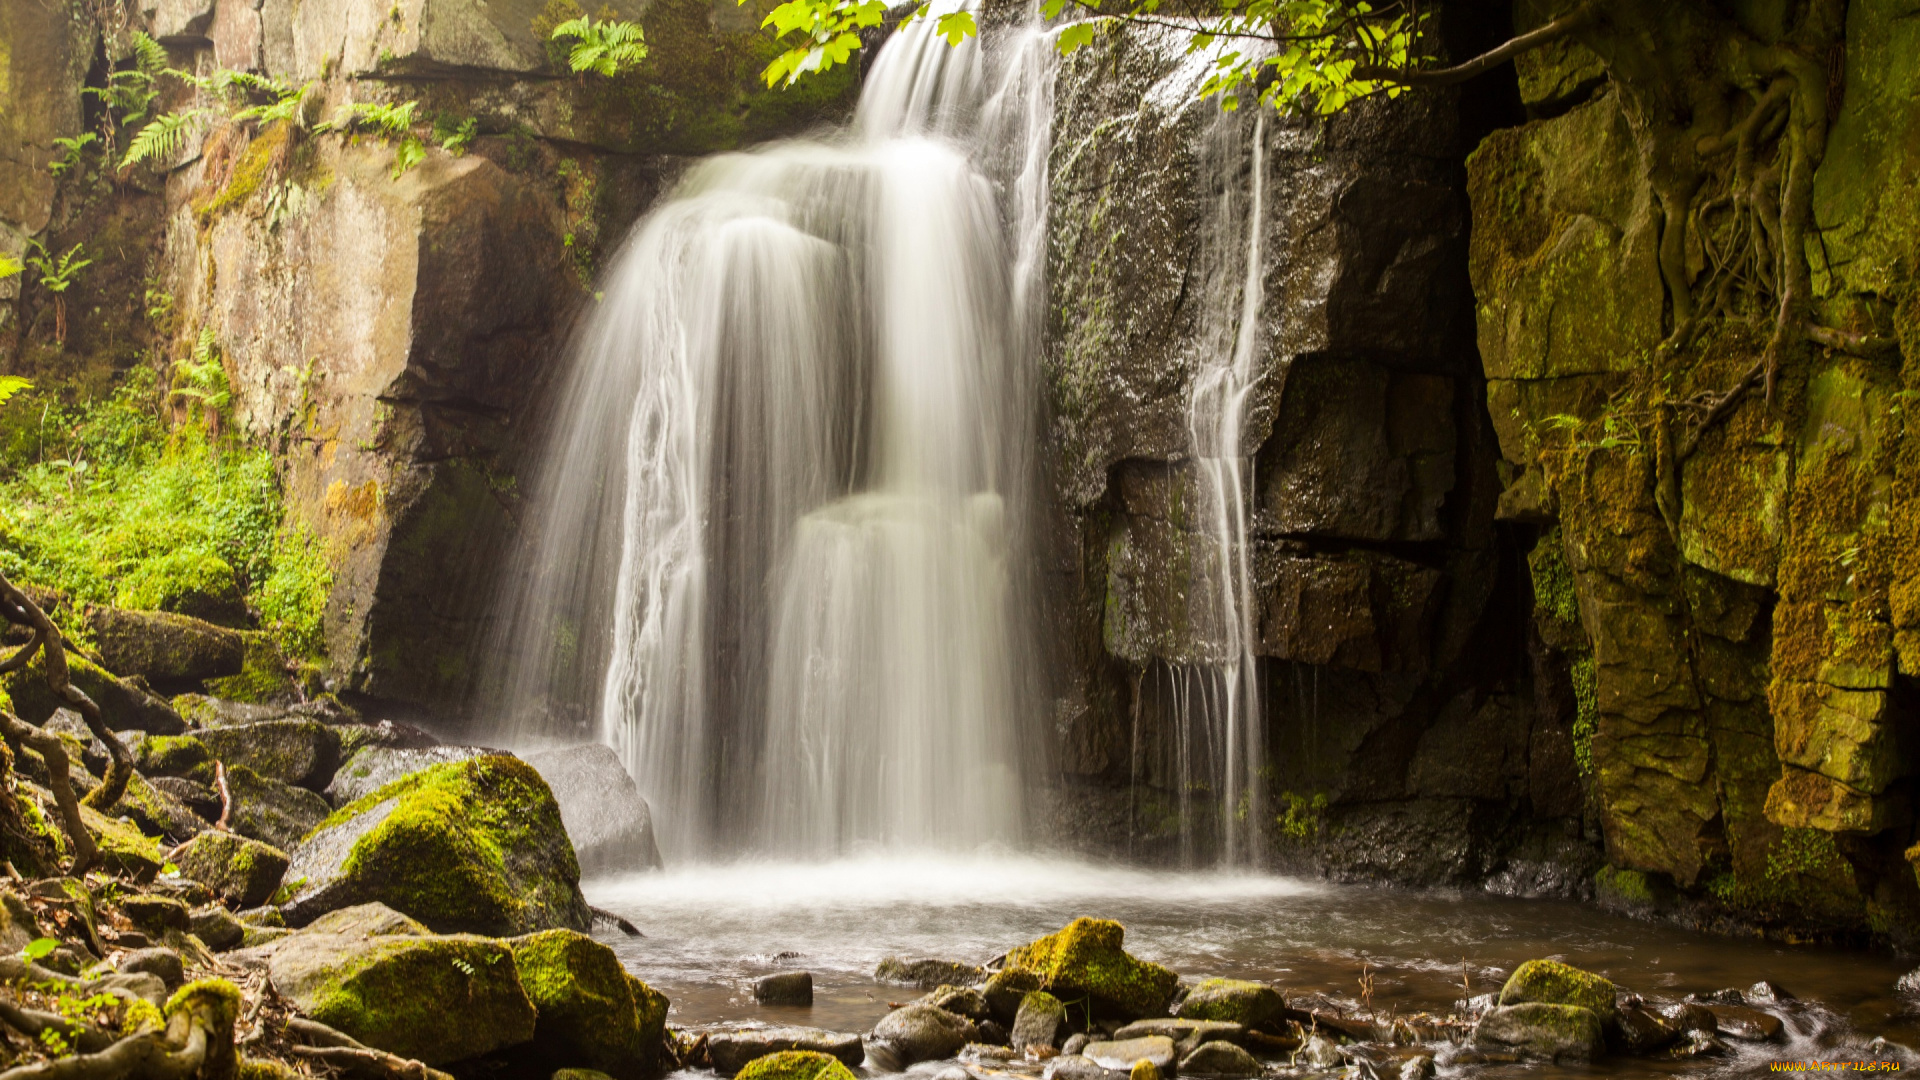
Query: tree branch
{"type": "Point", "coordinates": [60, 681]}
{"type": "Point", "coordinates": [1486, 61]}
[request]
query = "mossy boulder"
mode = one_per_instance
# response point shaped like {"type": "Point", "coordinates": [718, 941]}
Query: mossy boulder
{"type": "Point", "coordinates": [1085, 960]}
{"type": "Point", "coordinates": [374, 976]}
{"type": "Point", "coordinates": [732, 1049]}
{"type": "Point", "coordinates": [271, 811]}
{"type": "Point", "coordinates": [123, 847]}
{"type": "Point", "coordinates": [124, 704]}
{"type": "Point", "coordinates": [303, 753]}
{"type": "Point", "coordinates": [927, 973]}
{"type": "Point", "coordinates": [1041, 1021]}
{"type": "Point", "coordinates": [1236, 1001]}
{"type": "Point", "coordinates": [592, 1014]}
{"type": "Point", "coordinates": [184, 756]}
{"type": "Point", "coordinates": [373, 767]}
{"type": "Point", "coordinates": [796, 1065]}
{"type": "Point", "coordinates": [468, 846]}
{"type": "Point", "coordinates": [165, 648]}
{"type": "Point", "coordinates": [156, 812]}
{"type": "Point", "coordinates": [1554, 983]}
{"type": "Point", "coordinates": [243, 872]}
{"type": "Point", "coordinates": [1538, 1031]}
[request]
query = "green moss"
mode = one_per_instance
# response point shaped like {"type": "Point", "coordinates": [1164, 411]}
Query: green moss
{"type": "Point", "coordinates": [263, 675]}
{"type": "Point", "coordinates": [1586, 714]}
{"type": "Point", "coordinates": [1236, 1001]}
{"type": "Point", "coordinates": [590, 1012]}
{"type": "Point", "coordinates": [1626, 886]}
{"type": "Point", "coordinates": [396, 994]}
{"type": "Point", "coordinates": [268, 1069]}
{"type": "Point", "coordinates": [174, 755]}
{"type": "Point", "coordinates": [1085, 959]}
{"type": "Point", "coordinates": [1302, 818]}
{"type": "Point", "coordinates": [796, 1065]}
{"type": "Point", "coordinates": [1554, 983]}
{"type": "Point", "coordinates": [251, 171]}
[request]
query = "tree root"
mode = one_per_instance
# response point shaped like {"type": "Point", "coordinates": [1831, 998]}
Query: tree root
{"type": "Point", "coordinates": [327, 1046]}
{"type": "Point", "coordinates": [54, 753]}
{"type": "Point", "coordinates": [20, 609]}
{"type": "Point", "coordinates": [602, 915]}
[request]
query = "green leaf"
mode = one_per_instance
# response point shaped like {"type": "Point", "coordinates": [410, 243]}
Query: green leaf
{"type": "Point", "coordinates": [955, 27]}
{"type": "Point", "coordinates": [1074, 36]}
{"type": "Point", "coordinates": [38, 948]}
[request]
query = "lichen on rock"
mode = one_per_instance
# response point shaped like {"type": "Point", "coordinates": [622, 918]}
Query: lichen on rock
{"type": "Point", "coordinates": [1085, 960]}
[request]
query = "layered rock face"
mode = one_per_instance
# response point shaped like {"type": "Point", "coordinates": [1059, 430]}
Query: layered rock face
{"type": "Point", "coordinates": [1738, 623]}
{"type": "Point", "coordinates": [1397, 701]}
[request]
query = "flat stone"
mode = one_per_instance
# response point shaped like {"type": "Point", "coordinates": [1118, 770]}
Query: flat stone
{"type": "Point", "coordinates": [1746, 1023]}
{"type": "Point", "coordinates": [730, 1050]}
{"type": "Point", "coordinates": [1542, 1032]}
{"type": "Point", "coordinates": [216, 927]}
{"type": "Point", "coordinates": [784, 988]}
{"type": "Point", "coordinates": [928, 973]}
{"type": "Point", "coordinates": [1186, 1034]}
{"type": "Point", "coordinates": [1122, 1053]}
{"type": "Point", "coordinates": [1219, 1058]}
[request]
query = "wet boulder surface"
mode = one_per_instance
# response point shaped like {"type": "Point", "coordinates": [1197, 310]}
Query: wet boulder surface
{"type": "Point", "coordinates": [610, 824]}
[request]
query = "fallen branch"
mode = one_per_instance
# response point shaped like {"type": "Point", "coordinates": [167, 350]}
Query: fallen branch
{"type": "Point", "coordinates": [1486, 61]}
{"type": "Point", "coordinates": [87, 1038]}
{"type": "Point", "coordinates": [605, 916]}
{"type": "Point", "coordinates": [1862, 344]}
{"type": "Point", "coordinates": [226, 796]}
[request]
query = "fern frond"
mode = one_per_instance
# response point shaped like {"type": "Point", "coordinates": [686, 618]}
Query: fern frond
{"type": "Point", "coordinates": [12, 384]}
{"type": "Point", "coordinates": [148, 55]}
{"type": "Point", "coordinates": [162, 137]}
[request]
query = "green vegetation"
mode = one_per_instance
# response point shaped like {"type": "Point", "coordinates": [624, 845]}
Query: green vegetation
{"type": "Point", "coordinates": [57, 275]}
{"type": "Point", "coordinates": [605, 47]}
{"type": "Point", "coordinates": [1085, 959]}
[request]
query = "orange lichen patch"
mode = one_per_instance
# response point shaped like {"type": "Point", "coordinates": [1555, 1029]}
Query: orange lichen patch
{"type": "Point", "coordinates": [1806, 800]}
{"type": "Point", "coordinates": [360, 502]}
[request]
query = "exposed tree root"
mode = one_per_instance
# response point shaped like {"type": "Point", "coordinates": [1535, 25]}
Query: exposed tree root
{"type": "Point", "coordinates": [326, 1046]}
{"type": "Point", "coordinates": [19, 609]}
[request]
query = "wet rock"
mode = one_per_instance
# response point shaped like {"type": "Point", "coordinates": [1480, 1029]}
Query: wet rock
{"type": "Point", "coordinates": [591, 1013]}
{"type": "Point", "coordinates": [984, 1053]}
{"type": "Point", "coordinates": [1765, 992]}
{"type": "Point", "coordinates": [1321, 1052]}
{"type": "Point", "coordinates": [1086, 958]}
{"type": "Point", "coordinates": [1076, 1067]}
{"type": "Point", "coordinates": [374, 767]}
{"type": "Point", "coordinates": [217, 927]}
{"type": "Point", "coordinates": [928, 974]}
{"type": "Point", "coordinates": [1643, 1031]}
{"type": "Point", "coordinates": [271, 811]}
{"type": "Point", "coordinates": [959, 1000]}
{"type": "Point", "coordinates": [1689, 1016]}
{"type": "Point", "coordinates": [784, 988]}
{"type": "Point", "coordinates": [731, 1050]}
{"type": "Point", "coordinates": [164, 648]}
{"type": "Point", "coordinates": [1187, 1035]}
{"type": "Point", "coordinates": [436, 999]}
{"type": "Point", "coordinates": [1041, 1021]}
{"type": "Point", "coordinates": [1123, 1053]}
{"type": "Point", "coordinates": [1418, 1067]}
{"type": "Point", "coordinates": [1219, 1059]}
{"type": "Point", "coordinates": [1235, 1001]}
{"type": "Point", "coordinates": [799, 1065]}
{"type": "Point", "coordinates": [302, 753]}
{"type": "Point", "coordinates": [1699, 1044]}
{"type": "Point", "coordinates": [610, 824]}
{"type": "Point", "coordinates": [1746, 1023]}
{"type": "Point", "coordinates": [992, 1033]}
{"type": "Point", "coordinates": [1553, 983]}
{"type": "Point", "coordinates": [473, 846]}
{"type": "Point", "coordinates": [924, 1033]}
{"type": "Point", "coordinates": [159, 961]}
{"type": "Point", "coordinates": [1075, 1043]}
{"type": "Point", "coordinates": [243, 872]}
{"type": "Point", "coordinates": [1542, 1031]}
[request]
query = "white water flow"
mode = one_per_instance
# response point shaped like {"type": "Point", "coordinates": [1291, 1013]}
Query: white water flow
{"type": "Point", "coordinates": [784, 517]}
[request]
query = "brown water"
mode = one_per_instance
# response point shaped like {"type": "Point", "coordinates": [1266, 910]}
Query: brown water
{"type": "Point", "coordinates": [711, 930]}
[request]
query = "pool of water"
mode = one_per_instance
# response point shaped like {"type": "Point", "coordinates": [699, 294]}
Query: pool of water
{"type": "Point", "coordinates": [711, 930]}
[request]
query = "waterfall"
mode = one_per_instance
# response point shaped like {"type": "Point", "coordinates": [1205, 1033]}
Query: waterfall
{"type": "Point", "coordinates": [779, 551]}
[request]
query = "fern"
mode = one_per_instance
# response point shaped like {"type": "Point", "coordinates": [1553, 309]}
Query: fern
{"type": "Point", "coordinates": [10, 267]}
{"type": "Point", "coordinates": [12, 384]}
{"type": "Point", "coordinates": [57, 274]}
{"type": "Point", "coordinates": [284, 106]}
{"type": "Point", "coordinates": [202, 377]}
{"type": "Point", "coordinates": [604, 47]}
{"type": "Point", "coordinates": [163, 136]}
{"type": "Point", "coordinates": [148, 55]}
{"type": "Point", "coordinates": [70, 152]}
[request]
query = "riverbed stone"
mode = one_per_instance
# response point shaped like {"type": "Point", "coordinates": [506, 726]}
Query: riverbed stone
{"type": "Point", "coordinates": [1124, 1053]}
{"type": "Point", "coordinates": [1086, 958]}
{"type": "Point", "coordinates": [1219, 1058]}
{"type": "Point", "coordinates": [591, 1013]}
{"type": "Point", "coordinates": [243, 872]}
{"type": "Point", "coordinates": [731, 1049]}
{"type": "Point", "coordinates": [1237, 1001]}
{"type": "Point", "coordinates": [473, 846]}
{"type": "Point", "coordinates": [1746, 1023]}
{"type": "Point", "coordinates": [796, 1065]}
{"type": "Point", "coordinates": [1640, 1030]}
{"type": "Point", "coordinates": [928, 973]}
{"type": "Point", "coordinates": [959, 1000]}
{"type": "Point", "coordinates": [784, 988]}
{"type": "Point", "coordinates": [1187, 1035]}
{"type": "Point", "coordinates": [272, 811]}
{"type": "Point", "coordinates": [924, 1033]}
{"type": "Point", "coordinates": [1554, 983]}
{"type": "Point", "coordinates": [165, 648]}
{"type": "Point", "coordinates": [610, 824]}
{"type": "Point", "coordinates": [1041, 1021]}
{"type": "Point", "coordinates": [1542, 1032]}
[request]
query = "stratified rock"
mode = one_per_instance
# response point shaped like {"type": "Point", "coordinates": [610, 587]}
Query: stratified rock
{"type": "Point", "coordinates": [796, 1065]}
{"type": "Point", "coordinates": [928, 974]}
{"type": "Point", "coordinates": [1542, 1032]}
{"type": "Point", "coordinates": [1086, 958]}
{"type": "Point", "coordinates": [243, 872]}
{"type": "Point", "coordinates": [374, 977]}
{"type": "Point", "coordinates": [165, 648]}
{"type": "Point", "coordinates": [784, 988]}
{"type": "Point", "coordinates": [1157, 1050]}
{"type": "Point", "coordinates": [1041, 1021]}
{"type": "Point", "coordinates": [303, 753]}
{"type": "Point", "coordinates": [374, 767]}
{"type": "Point", "coordinates": [1219, 1059]}
{"type": "Point", "coordinates": [475, 845]}
{"type": "Point", "coordinates": [610, 824]}
{"type": "Point", "coordinates": [1236, 1001]}
{"type": "Point", "coordinates": [924, 1033]}
{"type": "Point", "coordinates": [730, 1051]}
{"type": "Point", "coordinates": [592, 1014]}
{"type": "Point", "coordinates": [270, 811]}
{"type": "Point", "coordinates": [1555, 983]}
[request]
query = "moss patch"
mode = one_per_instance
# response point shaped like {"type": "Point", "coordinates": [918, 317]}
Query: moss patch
{"type": "Point", "coordinates": [1085, 959]}
{"type": "Point", "coordinates": [589, 1014]}
{"type": "Point", "coordinates": [795, 1065]}
{"type": "Point", "coordinates": [1554, 983]}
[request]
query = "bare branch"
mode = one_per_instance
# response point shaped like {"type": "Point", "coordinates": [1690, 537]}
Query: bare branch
{"type": "Point", "coordinates": [1486, 61]}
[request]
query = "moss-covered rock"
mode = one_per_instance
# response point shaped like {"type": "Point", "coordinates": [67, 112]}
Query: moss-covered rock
{"type": "Point", "coordinates": [271, 811]}
{"type": "Point", "coordinates": [124, 705]}
{"type": "Point", "coordinates": [371, 768]}
{"type": "Point", "coordinates": [243, 872]}
{"type": "Point", "coordinates": [1554, 983]}
{"type": "Point", "coordinates": [173, 755]}
{"type": "Point", "coordinates": [592, 1014]}
{"type": "Point", "coordinates": [796, 1065]}
{"type": "Point", "coordinates": [1542, 1032]}
{"type": "Point", "coordinates": [1085, 960]}
{"type": "Point", "coordinates": [123, 847]}
{"type": "Point", "coordinates": [928, 973]}
{"type": "Point", "coordinates": [1236, 1001]}
{"type": "Point", "coordinates": [165, 648]}
{"type": "Point", "coordinates": [156, 812]}
{"type": "Point", "coordinates": [475, 845]}
{"type": "Point", "coordinates": [303, 753]}
{"type": "Point", "coordinates": [1041, 1021]}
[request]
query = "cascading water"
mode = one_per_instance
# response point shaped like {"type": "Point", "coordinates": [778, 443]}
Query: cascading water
{"type": "Point", "coordinates": [785, 509]}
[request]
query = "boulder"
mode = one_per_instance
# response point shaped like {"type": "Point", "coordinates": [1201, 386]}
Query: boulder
{"type": "Point", "coordinates": [1539, 1031]}
{"type": "Point", "coordinates": [924, 1033]}
{"type": "Point", "coordinates": [18, 926]}
{"type": "Point", "coordinates": [474, 845]}
{"type": "Point", "coordinates": [155, 914]}
{"type": "Point", "coordinates": [1237, 1001]}
{"type": "Point", "coordinates": [158, 961]}
{"type": "Point", "coordinates": [959, 1000]}
{"type": "Point", "coordinates": [1125, 1053]}
{"type": "Point", "coordinates": [1219, 1058]}
{"type": "Point", "coordinates": [125, 705]}
{"type": "Point", "coordinates": [173, 755]}
{"type": "Point", "coordinates": [216, 926]}
{"type": "Point", "coordinates": [796, 1065]}
{"type": "Point", "coordinates": [302, 753]}
{"type": "Point", "coordinates": [1005, 990]}
{"type": "Point", "coordinates": [156, 811]}
{"type": "Point", "coordinates": [164, 648]}
{"type": "Point", "coordinates": [731, 1050]}
{"type": "Point", "coordinates": [784, 988]}
{"type": "Point", "coordinates": [243, 872]}
{"type": "Point", "coordinates": [927, 974]}
{"type": "Point", "coordinates": [1746, 1023]}
{"type": "Point", "coordinates": [123, 848]}
{"type": "Point", "coordinates": [591, 1013]}
{"type": "Point", "coordinates": [1041, 1021]}
{"type": "Point", "coordinates": [200, 798]}
{"type": "Point", "coordinates": [1554, 983]}
{"type": "Point", "coordinates": [1643, 1031]}
{"type": "Point", "coordinates": [1086, 958]}
{"type": "Point", "coordinates": [375, 766]}
{"type": "Point", "coordinates": [378, 976]}
{"type": "Point", "coordinates": [271, 811]}
{"type": "Point", "coordinates": [610, 824]}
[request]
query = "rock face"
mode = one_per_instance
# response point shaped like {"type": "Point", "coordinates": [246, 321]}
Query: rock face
{"type": "Point", "coordinates": [609, 823]}
{"type": "Point", "coordinates": [467, 846]}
